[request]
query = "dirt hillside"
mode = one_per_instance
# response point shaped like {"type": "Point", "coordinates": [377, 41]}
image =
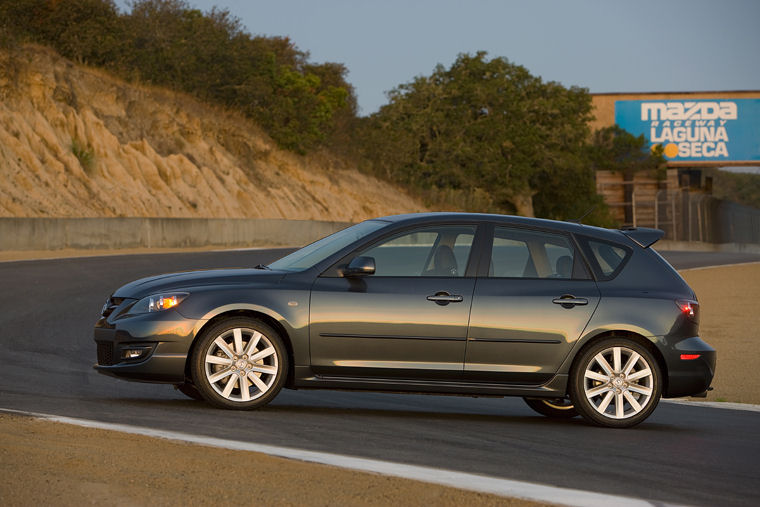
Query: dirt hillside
{"type": "Point", "coordinates": [76, 142]}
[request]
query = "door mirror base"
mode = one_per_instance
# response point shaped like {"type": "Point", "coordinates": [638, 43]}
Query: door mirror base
{"type": "Point", "coordinates": [359, 266]}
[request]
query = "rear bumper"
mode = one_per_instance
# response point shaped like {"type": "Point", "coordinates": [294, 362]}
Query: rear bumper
{"type": "Point", "coordinates": [689, 377]}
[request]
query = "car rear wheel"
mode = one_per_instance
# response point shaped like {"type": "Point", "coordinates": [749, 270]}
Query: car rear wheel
{"type": "Point", "coordinates": [557, 408]}
{"type": "Point", "coordinates": [239, 363]}
{"type": "Point", "coordinates": [616, 383]}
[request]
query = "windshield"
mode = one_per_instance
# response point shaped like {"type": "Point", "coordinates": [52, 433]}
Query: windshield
{"type": "Point", "coordinates": [320, 250]}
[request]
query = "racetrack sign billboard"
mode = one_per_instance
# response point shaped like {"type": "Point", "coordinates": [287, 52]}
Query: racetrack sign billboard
{"type": "Point", "coordinates": [706, 130]}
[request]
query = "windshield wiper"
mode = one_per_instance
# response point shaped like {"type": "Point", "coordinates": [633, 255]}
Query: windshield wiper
{"type": "Point", "coordinates": [261, 266]}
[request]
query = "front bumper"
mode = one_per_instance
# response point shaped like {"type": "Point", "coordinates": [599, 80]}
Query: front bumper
{"type": "Point", "coordinates": [164, 337]}
{"type": "Point", "coordinates": [689, 377]}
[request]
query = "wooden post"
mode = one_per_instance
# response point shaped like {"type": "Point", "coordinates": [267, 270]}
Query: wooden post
{"type": "Point", "coordinates": [633, 205]}
{"type": "Point", "coordinates": [673, 211]}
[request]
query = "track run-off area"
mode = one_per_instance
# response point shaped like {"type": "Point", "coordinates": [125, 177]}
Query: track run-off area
{"type": "Point", "coordinates": [683, 454]}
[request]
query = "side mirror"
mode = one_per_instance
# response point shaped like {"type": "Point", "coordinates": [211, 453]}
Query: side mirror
{"type": "Point", "coordinates": [360, 266]}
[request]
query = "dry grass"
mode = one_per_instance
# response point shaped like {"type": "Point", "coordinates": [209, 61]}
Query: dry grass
{"type": "Point", "coordinates": [730, 322]}
{"type": "Point", "coordinates": [47, 463]}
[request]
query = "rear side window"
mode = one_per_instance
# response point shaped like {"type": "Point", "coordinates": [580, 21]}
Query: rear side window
{"type": "Point", "coordinates": [607, 258]}
{"type": "Point", "coordinates": [518, 253]}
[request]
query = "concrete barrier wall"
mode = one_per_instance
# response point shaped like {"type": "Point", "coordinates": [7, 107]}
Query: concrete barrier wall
{"type": "Point", "coordinates": [19, 234]}
{"type": "Point", "coordinates": [117, 233]}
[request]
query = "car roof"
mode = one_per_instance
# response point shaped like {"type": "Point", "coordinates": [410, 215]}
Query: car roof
{"type": "Point", "coordinates": [429, 217]}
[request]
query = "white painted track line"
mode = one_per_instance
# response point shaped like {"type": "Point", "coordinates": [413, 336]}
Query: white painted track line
{"type": "Point", "coordinates": [450, 478]}
{"type": "Point", "coordinates": [715, 404]}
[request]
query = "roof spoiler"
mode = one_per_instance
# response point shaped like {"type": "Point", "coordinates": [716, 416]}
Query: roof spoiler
{"type": "Point", "coordinates": [643, 236]}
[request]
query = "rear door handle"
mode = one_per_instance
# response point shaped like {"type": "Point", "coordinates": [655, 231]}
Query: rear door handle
{"type": "Point", "coordinates": [569, 301]}
{"type": "Point", "coordinates": [444, 298]}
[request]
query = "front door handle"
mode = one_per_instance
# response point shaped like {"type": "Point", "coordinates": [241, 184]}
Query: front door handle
{"type": "Point", "coordinates": [569, 301]}
{"type": "Point", "coordinates": [444, 298]}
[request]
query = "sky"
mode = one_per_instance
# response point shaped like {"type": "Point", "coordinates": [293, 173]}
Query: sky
{"type": "Point", "coordinates": [602, 45]}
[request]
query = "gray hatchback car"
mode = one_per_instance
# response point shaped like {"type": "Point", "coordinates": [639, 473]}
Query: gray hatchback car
{"type": "Point", "coordinates": [574, 319]}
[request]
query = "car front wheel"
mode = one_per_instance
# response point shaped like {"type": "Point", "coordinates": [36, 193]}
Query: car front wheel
{"type": "Point", "coordinates": [239, 363]}
{"type": "Point", "coordinates": [616, 383]}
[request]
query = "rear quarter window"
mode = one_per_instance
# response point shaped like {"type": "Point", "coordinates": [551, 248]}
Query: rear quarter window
{"type": "Point", "coordinates": [607, 259]}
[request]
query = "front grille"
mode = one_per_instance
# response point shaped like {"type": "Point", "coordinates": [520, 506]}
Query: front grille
{"type": "Point", "coordinates": [105, 354]}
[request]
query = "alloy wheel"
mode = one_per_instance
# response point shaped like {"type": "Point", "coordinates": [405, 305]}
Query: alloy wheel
{"type": "Point", "coordinates": [618, 382]}
{"type": "Point", "coordinates": [241, 364]}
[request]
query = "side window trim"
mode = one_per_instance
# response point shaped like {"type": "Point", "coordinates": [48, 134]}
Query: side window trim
{"type": "Point", "coordinates": [582, 264]}
{"type": "Point", "coordinates": [484, 264]}
{"type": "Point", "coordinates": [480, 246]}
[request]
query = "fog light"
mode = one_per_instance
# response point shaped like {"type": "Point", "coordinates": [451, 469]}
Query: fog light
{"type": "Point", "coordinates": [134, 353]}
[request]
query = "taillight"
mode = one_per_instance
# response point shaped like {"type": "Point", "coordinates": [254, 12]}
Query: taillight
{"type": "Point", "coordinates": [689, 357]}
{"type": "Point", "coordinates": [688, 307]}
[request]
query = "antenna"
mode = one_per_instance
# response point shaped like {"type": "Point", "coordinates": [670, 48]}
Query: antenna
{"type": "Point", "coordinates": [587, 213]}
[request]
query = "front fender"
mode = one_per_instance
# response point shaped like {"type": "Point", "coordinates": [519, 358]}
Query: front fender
{"type": "Point", "coordinates": [289, 308]}
{"type": "Point", "coordinates": [238, 306]}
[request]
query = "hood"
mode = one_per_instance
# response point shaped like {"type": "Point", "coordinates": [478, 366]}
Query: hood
{"type": "Point", "coordinates": [188, 279]}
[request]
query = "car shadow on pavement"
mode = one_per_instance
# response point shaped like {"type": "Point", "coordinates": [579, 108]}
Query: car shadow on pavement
{"type": "Point", "coordinates": [318, 414]}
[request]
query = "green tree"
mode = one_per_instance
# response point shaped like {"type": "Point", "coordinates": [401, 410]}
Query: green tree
{"type": "Point", "coordinates": [616, 149]}
{"type": "Point", "coordinates": [743, 188]}
{"type": "Point", "coordinates": [302, 105]}
{"type": "Point", "coordinates": [488, 126]}
{"type": "Point", "coordinates": [88, 31]}
{"type": "Point", "coordinates": [267, 78]}
{"type": "Point", "coordinates": [299, 111]}
{"type": "Point", "coordinates": [339, 133]}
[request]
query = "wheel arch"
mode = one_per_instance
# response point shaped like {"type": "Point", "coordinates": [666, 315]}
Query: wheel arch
{"type": "Point", "coordinates": [648, 343]}
{"type": "Point", "coordinates": [253, 314]}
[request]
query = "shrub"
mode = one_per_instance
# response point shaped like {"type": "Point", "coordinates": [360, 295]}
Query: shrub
{"type": "Point", "coordinates": [85, 154]}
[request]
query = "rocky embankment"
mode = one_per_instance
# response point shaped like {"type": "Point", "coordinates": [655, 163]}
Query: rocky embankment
{"type": "Point", "coordinates": [77, 142]}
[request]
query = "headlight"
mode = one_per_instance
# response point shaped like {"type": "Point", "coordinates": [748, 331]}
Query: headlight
{"type": "Point", "coordinates": [158, 302]}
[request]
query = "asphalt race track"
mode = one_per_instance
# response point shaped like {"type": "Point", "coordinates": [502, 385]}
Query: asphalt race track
{"type": "Point", "coordinates": [689, 260]}
{"type": "Point", "coordinates": [682, 454]}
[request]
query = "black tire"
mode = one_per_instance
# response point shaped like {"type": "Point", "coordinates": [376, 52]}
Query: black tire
{"type": "Point", "coordinates": [189, 390]}
{"type": "Point", "coordinates": [215, 367]}
{"type": "Point", "coordinates": [622, 399]}
{"type": "Point", "coordinates": [556, 408]}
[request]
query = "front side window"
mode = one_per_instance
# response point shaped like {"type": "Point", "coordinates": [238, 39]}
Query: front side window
{"type": "Point", "coordinates": [518, 253]}
{"type": "Point", "coordinates": [430, 251]}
